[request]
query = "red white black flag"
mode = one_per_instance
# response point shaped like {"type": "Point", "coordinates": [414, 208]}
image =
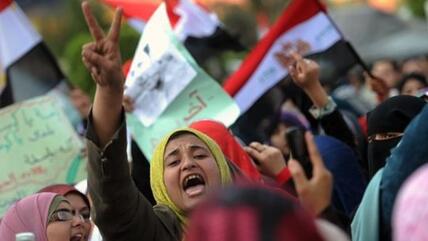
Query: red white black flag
{"type": "Point", "coordinates": [27, 66]}
{"type": "Point", "coordinates": [305, 27]}
{"type": "Point", "coordinates": [197, 28]}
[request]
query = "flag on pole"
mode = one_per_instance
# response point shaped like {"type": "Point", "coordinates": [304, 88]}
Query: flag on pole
{"type": "Point", "coordinates": [304, 27]}
{"type": "Point", "coordinates": [199, 30]}
{"type": "Point", "coordinates": [28, 68]}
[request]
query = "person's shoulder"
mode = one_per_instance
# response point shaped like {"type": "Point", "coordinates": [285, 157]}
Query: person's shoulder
{"type": "Point", "coordinates": [169, 221]}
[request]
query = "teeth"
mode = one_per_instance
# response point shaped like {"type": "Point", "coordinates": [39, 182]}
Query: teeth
{"type": "Point", "coordinates": [79, 235]}
{"type": "Point", "coordinates": [193, 176]}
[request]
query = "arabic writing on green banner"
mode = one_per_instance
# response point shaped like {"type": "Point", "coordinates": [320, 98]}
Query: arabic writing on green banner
{"type": "Point", "coordinates": [38, 147]}
{"type": "Point", "coordinates": [202, 98]}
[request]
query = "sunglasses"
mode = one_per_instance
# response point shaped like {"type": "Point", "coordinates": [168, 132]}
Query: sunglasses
{"type": "Point", "coordinates": [64, 215]}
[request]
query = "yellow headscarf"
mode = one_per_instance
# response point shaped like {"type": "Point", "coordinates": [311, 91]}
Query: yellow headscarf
{"type": "Point", "coordinates": [157, 169]}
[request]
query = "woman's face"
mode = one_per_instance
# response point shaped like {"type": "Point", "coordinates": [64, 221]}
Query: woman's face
{"type": "Point", "coordinates": [190, 171]}
{"type": "Point", "coordinates": [81, 101]}
{"type": "Point", "coordinates": [62, 227]}
{"type": "Point", "coordinates": [79, 207]}
{"type": "Point", "coordinates": [412, 87]}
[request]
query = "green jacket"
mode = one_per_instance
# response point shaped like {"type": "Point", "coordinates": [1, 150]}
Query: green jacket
{"type": "Point", "coordinates": [121, 212]}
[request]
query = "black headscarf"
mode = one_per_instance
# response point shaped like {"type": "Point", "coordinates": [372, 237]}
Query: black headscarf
{"type": "Point", "coordinates": [393, 115]}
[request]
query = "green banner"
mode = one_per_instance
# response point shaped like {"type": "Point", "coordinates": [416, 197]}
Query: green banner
{"type": "Point", "coordinates": [38, 147]}
{"type": "Point", "coordinates": [202, 98]}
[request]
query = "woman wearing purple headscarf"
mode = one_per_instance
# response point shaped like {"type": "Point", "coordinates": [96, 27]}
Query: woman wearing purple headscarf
{"type": "Point", "coordinates": [47, 215]}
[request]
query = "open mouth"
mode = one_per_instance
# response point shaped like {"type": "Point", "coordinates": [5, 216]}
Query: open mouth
{"type": "Point", "coordinates": [194, 184]}
{"type": "Point", "coordinates": [76, 237]}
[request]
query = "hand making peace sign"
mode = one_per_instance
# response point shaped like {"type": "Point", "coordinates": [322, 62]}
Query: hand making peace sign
{"type": "Point", "coordinates": [102, 56]}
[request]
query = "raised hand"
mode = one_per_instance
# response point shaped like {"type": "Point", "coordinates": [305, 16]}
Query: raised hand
{"type": "Point", "coordinates": [269, 159]}
{"type": "Point", "coordinates": [102, 57]}
{"type": "Point", "coordinates": [378, 85]}
{"type": "Point", "coordinates": [304, 72]}
{"type": "Point", "coordinates": [316, 192]}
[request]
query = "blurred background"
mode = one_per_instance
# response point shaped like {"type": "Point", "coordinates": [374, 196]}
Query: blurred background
{"type": "Point", "coordinates": [377, 29]}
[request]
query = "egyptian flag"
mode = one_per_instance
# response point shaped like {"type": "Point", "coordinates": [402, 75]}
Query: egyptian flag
{"type": "Point", "coordinates": [198, 29]}
{"type": "Point", "coordinates": [28, 67]}
{"type": "Point", "coordinates": [305, 27]}
{"type": "Point", "coordinates": [201, 31]}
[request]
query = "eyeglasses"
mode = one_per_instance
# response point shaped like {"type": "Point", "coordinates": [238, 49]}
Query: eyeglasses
{"type": "Point", "coordinates": [63, 215]}
{"type": "Point", "coordinates": [384, 136]}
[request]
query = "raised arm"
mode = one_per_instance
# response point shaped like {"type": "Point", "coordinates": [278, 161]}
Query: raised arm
{"type": "Point", "coordinates": [121, 212]}
{"type": "Point", "coordinates": [102, 58]}
{"type": "Point", "coordinates": [305, 74]}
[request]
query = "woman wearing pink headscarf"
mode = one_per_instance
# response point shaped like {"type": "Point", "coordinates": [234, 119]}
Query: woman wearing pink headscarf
{"type": "Point", "coordinates": [410, 214]}
{"type": "Point", "coordinates": [79, 204]}
{"type": "Point", "coordinates": [47, 215]}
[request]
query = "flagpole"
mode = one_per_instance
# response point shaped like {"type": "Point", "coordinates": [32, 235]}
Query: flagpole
{"type": "Point", "coordinates": [348, 44]}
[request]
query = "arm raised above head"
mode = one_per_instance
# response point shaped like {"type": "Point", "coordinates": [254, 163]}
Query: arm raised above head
{"type": "Point", "coordinates": [102, 58]}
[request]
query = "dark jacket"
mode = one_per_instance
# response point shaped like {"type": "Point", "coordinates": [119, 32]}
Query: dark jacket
{"type": "Point", "coordinates": [120, 211]}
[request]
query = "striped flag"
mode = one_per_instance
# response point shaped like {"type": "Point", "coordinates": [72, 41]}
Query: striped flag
{"type": "Point", "coordinates": [27, 66]}
{"type": "Point", "coordinates": [198, 29]}
{"type": "Point", "coordinates": [305, 27]}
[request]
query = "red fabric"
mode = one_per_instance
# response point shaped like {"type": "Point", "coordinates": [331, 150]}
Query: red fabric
{"type": "Point", "coordinates": [363, 123]}
{"type": "Point", "coordinates": [64, 189]}
{"type": "Point", "coordinates": [224, 224]}
{"type": "Point", "coordinates": [297, 12]}
{"type": "Point", "coordinates": [126, 67]}
{"type": "Point", "coordinates": [135, 9]}
{"type": "Point", "coordinates": [230, 147]}
{"type": "Point", "coordinates": [173, 16]}
{"type": "Point", "coordinates": [4, 4]}
{"type": "Point", "coordinates": [170, 6]}
{"type": "Point", "coordinates": [251, 214]}
{"type": "Point", "coordinates": [143, 10]}
{"type": "Point", "coordinates": [284, 176]}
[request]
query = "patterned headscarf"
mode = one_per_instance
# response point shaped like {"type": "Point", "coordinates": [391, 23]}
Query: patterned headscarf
{"type": "Point", "coordinates": [157, 169]}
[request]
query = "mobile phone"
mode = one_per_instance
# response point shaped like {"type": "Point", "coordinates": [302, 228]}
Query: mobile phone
{"type": "Point", "coordinates": [295, 137]}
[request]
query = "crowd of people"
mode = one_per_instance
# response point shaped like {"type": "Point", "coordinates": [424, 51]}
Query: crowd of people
{"type": "Point", "coordinates": [363, 179]}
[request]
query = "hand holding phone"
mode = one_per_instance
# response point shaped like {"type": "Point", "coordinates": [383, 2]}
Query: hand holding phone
{"type": "Point", "coordinates": [295, 137]}
{"type": "Point", "coordinates": [314, 192]}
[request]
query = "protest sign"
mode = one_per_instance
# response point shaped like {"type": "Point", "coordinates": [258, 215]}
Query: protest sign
{"type": "Point", "coordinates": [38, 147]}
{"type": "Point", "coordinates": [158, 72]}
{"type": "Point", "coordinates": [200, 98]}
